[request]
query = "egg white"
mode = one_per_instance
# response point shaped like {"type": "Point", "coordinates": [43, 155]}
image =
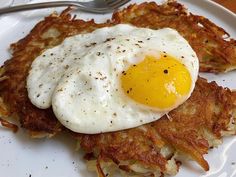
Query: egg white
{"type": "Point", "coordinates": [80, 78]}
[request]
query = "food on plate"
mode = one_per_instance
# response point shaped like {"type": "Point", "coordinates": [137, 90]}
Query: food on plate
{"type": "Point", "coordinates": [187, 132]}
{"type": "Point", "coordinates": [150, 149]}
{"type": "Point", "coordinates": [97, 81]}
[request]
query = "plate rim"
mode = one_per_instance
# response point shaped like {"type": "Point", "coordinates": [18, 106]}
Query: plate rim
{"type": "Point", "coordinates": [210, 2]}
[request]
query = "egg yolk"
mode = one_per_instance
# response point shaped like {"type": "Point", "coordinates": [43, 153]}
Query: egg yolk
{"type": "Point", "coordinates": [157, 82]}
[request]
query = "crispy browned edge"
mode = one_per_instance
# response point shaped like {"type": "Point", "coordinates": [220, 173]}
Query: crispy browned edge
{"type": "Point", "coordinates": [206, 39]}
{"type": "Point", "coordinates": [145, 15]}
{"type": "Point", "coordinates": [209, 110]}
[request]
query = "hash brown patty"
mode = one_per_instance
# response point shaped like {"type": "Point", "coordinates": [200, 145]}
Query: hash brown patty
{"type": "Point", "coordinates": [189, 130]}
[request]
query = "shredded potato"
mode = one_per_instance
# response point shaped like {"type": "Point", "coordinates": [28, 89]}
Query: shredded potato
{"type": "Point", "coordinates": [153, 149]}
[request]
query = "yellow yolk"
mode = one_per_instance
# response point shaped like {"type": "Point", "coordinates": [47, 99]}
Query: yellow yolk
{"type": "Point", "coordinates": [159, 83]}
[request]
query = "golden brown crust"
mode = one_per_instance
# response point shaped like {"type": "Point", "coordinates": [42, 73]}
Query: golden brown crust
{"type": "Point", "coordinates": [208, 109]}
{"type": "Point", "coordinates": [134, 144]}
{"type": "Point", "coordinates": [12, 88]}
{"type": "Point", "coordinates": [207, 39]}
{"type": "Point", "coordinates": [9, 125]}
{"type": "Point", "coordinates": [193, 127]}
{"type": "Point", "coordinates": [54, 29]}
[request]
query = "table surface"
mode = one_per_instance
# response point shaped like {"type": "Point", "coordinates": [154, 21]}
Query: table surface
{"type": "Point", "coordinates": [230, 4]}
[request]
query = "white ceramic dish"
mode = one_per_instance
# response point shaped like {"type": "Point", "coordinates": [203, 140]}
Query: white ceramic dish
{"type": "Point", "coordinates": [22, 156]}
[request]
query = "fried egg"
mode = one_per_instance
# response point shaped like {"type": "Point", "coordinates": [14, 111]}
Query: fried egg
{"type": "Point", "coordinates": [114, 78]}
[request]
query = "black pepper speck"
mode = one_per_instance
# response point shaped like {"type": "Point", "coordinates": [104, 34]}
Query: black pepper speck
{"type": "Point", "coordinates": [165, 71]}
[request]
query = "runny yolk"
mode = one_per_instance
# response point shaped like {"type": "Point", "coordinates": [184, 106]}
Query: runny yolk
{"type": "Point", "coordinates": [157, 82]}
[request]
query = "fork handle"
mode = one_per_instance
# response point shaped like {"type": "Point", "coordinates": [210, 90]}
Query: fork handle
{"type": "Point", "coordinates": [41, 6]}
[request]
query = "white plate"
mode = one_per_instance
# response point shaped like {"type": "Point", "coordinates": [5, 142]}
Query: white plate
{"type": "Point", "coordinates": [22, 156]}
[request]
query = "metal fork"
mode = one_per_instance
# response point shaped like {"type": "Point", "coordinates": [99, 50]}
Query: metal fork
{"type": "Point", "coordinates": [95, 6]}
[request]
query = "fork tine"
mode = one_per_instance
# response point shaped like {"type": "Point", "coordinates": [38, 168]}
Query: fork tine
{"type": "Point", "coordinates": [112, 2]}
{"type": "Point", "coordinates": [122, 3]}
{"type": "Point", "coordinates": [116, 3]}
{"type": "Point", "coordinates": [95, 6]}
